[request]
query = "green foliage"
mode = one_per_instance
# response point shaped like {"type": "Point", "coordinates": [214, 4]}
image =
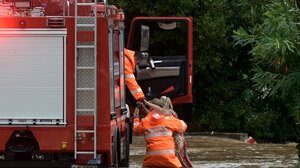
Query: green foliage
{"type": "Point", "coordinates": [260, 123]}
{"type": "Point", "coordinates": [275, 60]}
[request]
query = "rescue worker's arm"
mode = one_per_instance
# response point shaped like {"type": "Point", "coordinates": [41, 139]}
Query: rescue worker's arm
{"type": "Point", "coordinates": [177, 125]}
{"type": "Point", "coordinates": [137, 126]}
{"type": "Point", "coordinates": [131, 82]}
{"type": "Point", "coordinates": [166, 112]}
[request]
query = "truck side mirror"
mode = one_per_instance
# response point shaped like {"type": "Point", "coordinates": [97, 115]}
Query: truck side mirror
{"type": "Point", "coordinates": [145, 33]}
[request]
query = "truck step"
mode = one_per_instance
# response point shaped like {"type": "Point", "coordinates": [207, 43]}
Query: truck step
{"type": "Point", "coordinates": [85, 46]}
{"type": "Point", "coordinates": [85, 67]}
{"type": "Point", "coordinates": [85, 131]}
{"type": "Point", "coordinates": [86, 89]}
{"type": "Point", "coordinates": [85, 25]}
{"type": "Point", "coordinates": [85, 152]}
{"type": "Point", "coordinates": [85, 110]}
{"type": "Point", "coordinates": [85, 4]}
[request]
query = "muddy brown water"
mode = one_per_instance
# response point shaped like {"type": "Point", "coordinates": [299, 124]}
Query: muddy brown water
{"type": "Point", "coordinates": [218, 152]}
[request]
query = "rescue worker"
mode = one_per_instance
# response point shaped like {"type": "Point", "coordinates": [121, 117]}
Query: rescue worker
{"type": "Point", "coordinates": [158, 130]}
{"type": "Point", "coordinates": [132, 58]}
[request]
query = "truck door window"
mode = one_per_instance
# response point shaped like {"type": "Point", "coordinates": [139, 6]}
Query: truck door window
{"type": "Point", "coordinates": [165, 39]}
{"type": "Point", "coordinates": [166, 72]}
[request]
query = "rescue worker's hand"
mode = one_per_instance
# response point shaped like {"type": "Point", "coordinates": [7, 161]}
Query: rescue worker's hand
{"type": "Point", "coordinates": [139, 104]}
{"type": "Point", "coordinates": [136, 113]}
{"type": "Point", "coordinates": [143, 111]}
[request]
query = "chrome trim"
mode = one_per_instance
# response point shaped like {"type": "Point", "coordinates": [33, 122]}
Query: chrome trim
{"type": "Point", "coordinates": [111, 67]}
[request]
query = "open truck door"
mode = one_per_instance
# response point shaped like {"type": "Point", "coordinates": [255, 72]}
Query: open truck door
{"type": "Point", "coordinates": [167, 69]}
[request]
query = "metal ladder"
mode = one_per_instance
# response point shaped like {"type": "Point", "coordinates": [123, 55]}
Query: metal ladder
{"type": "Point", "coordinates": [85, 76]}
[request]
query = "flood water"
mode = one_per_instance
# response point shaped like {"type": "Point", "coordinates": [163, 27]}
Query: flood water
{"type": "Point", "coordinates": [218, 152]}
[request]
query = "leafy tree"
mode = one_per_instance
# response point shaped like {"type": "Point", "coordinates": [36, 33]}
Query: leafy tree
{"type": "Point", "coordinates": [225, 96]}
{"type": "Point", "coordinates": [275, 60]}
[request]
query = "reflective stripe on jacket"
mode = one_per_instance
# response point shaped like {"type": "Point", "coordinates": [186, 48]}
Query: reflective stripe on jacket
{"type": "Point", "coordinates": [158, 133]}
{"type": "Point", "coordinates": [130, 80]}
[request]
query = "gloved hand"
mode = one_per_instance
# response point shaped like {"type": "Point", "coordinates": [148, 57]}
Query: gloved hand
{"type": "Point", "coordinates": [136, 113]}
{"type": "Point", "coordinates": [139, 104]}
{"type": "Point", "coordinates": [143, 111]}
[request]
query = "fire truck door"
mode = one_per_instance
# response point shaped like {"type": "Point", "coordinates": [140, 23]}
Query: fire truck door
{"type": "Point", "coordinates": [167, 77]}
{"type": "Point", "coordinates": [167, 65]}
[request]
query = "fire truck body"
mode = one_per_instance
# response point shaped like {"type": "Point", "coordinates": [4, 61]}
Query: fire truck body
{"type": "Point", "coordinates": [43, 84]}
{"type": "Point", "coordinates": [63, 98]}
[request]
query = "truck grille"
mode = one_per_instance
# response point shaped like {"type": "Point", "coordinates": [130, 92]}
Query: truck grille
{"type": "Point", "coordinates": [55, 22]}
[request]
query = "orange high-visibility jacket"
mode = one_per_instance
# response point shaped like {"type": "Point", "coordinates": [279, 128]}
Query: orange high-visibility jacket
{"type": "Point", "coordinates": [130, 80]}
{"type": "Point", "coordinates": [158, 130]}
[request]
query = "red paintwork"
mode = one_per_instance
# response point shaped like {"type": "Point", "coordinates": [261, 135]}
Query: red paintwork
{"type": "Point", "coordinates": [51, 138]}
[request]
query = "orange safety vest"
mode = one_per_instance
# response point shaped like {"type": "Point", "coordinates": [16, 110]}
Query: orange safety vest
{"type": "Point", "coordinates": [130, 80]}
{"type": "Point", "coordinates": [158, 130]}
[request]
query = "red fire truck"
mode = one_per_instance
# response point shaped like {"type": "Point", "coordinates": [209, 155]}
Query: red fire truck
{"type": "Point", "coordinates": [63, 100]}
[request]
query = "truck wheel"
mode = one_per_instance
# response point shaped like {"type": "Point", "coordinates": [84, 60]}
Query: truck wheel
{"type": "Point", "coordinates": [125, 161]}
{"type": "Point", "coordinates": [115, 150]}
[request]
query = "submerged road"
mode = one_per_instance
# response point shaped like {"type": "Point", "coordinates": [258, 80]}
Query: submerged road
{"type": "Point", "coordinates": [217, 152]}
